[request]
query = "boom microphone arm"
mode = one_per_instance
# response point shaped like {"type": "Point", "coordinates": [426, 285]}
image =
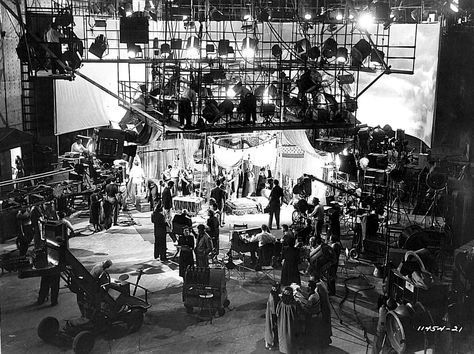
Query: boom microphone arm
{"type": "Point", "coordinates": [331, 185]}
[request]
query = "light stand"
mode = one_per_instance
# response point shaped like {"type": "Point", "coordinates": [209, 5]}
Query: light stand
{"type": "Point", "coordinates": [433, 209]}
{"type": "Point", "coordinates": [399, 206]}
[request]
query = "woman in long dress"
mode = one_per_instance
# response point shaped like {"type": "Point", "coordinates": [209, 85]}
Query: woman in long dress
{"type": "Point", "coordinates": [251, 182]}
{"type": "Point", "coordinates": [271, 320]}
{"type": "Point", "coordinates": [289, 270]}
{"type": "Point", "coordinates": [236, 182]}
{"type": "Point", "coordinates": [186, 257]}
{"type": "Point", "coordinates": [287, 313]}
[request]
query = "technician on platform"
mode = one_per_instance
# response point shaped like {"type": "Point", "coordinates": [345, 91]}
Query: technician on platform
{"type": "Point", "coordinates": [78, 147]}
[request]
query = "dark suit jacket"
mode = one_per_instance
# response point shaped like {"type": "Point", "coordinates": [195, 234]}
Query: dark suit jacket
{"type": "Point", "coordinates": [166, 198]}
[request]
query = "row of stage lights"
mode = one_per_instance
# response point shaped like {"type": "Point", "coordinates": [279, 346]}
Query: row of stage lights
{"type": "Point", "coordinates": [329, 49]}
{"type": "Point", "coordinates": [376, 12]}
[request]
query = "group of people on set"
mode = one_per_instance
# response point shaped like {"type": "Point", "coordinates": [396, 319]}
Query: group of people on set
{"type": "Point", "coordinates": [241, 182]}
{"type": "Point", "coordinates": [298, 319]}
{"type": "Point", "coordinates": [193, 246]}
{"type": "Point", "coordinates": [32, 221]}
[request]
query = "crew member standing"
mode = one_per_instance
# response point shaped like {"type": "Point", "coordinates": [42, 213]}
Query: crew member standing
{"type": "Point", "coordinates": [111, 191]}
{"type": "Point", "coordinates": [318, 215]}
{"type": "Point", "coordinates": [203, 247]}
{"type": "Point", "coordinates": [26, 229]}
{"type": "Point", "coordinates": [219, 195]}
{"type": "Point", "coordinates": [276, 200]}
{"type": "Point", "coordinates": [159, 223]}
{"type": "Point", "coordinates": [167, 200]}
{"type": "Point", "coordinates": [53, 37]}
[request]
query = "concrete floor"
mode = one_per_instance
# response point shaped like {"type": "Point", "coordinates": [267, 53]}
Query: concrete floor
{"type": "Point", "coordinates": [168, 328]}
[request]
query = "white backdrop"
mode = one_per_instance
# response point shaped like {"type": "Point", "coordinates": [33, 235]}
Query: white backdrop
{"type": "Point", "coordinates": [81, 105]}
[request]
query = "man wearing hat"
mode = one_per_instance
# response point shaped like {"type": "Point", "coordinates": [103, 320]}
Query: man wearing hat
{"type": "Point", "coordinates": [203, 247]}
{"type": "Point", "coordinates": [100, 269]}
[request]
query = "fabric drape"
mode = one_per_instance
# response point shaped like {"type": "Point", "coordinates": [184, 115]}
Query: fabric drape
{"type": "Point", "coordinates": [260, 155]}
{"type": "Point", "coordinates": [187, 148]}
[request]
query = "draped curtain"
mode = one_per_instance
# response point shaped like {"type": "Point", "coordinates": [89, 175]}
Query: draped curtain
{"type": "Point", "coordinates": [261, 155]}
{"type": "Point", "coordinates": [187, 149]}
{"type": "Point", "coordinates": [156, 156]}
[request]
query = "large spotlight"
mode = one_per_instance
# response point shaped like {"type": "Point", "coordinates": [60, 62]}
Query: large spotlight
{"type": "Point", "coordinates": [314, 53]}
{"type": "Point", "coordinates": [341, 55]}
{"type": "Point", "coordinates": [302, 47]}
{"type": "Point", "coordinates": [249, 46]}
{"type": "Point", "coordinates": [223, 47]}
{"type": "Point", "coordinates": [307, 16]}
{"type": "Point", "coordinates": [165, 48]}
{"type": "Point", "coordinates": [329, 48]}
{"type": "Point", "coordinates": [99, 46]}
{"type": "Point", "coordinates": [193, 48]}
{"type": "Point", "coordinates": [359, 52]}
{"type": "Point", "coordinates": [134, 51]}
{"type": "Point", "coordinates": [276, 51]}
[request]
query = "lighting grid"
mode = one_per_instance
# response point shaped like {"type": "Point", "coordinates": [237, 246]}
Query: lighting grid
{"type": "Point", "coordinates": [288, 22]}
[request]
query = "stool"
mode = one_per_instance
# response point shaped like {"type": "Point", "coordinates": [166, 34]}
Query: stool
{"type": "Point", "coordinates": [207, 310]}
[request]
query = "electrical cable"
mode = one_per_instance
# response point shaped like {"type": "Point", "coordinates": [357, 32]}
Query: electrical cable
{"type": "Point", "coordinates": [356, 293]}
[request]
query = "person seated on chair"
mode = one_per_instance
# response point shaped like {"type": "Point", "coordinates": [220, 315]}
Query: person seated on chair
{"type": "Point", "coordinates": [263, 238]}
{"type": "Point", "coordinates": [99, 272]}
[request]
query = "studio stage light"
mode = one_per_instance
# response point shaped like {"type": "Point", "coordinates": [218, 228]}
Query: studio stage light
{"type": "Point", "coordinates": [329, 48]}
{"type": "Point", "coordinates": [360, 51]}
{"type": "Point", "coordinates": [99, 46]}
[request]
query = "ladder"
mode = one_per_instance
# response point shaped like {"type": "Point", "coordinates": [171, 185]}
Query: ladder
{"type": "Point", "coordinates": [28, 104]}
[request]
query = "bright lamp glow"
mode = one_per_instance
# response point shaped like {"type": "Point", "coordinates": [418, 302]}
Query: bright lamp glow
{"type": "Point", "coordinates": [341, 55]}
{"type": "Point", "coordinates": [248, 47]}
{"type": "Point", "coordinates": [339, 16]}
{"type": "Point", "coordinates": [266, 96]}
{"type": "Point", "coordinates": [307, 16]}
{"type": "Point", "coordinates": [365, 20]}
{"type": "Point", "coordinates": [230, 92]}
{"type": "Point", "coordinates": [193, 48]}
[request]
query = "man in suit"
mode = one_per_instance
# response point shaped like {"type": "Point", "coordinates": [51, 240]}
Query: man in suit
{"type": "Point", "coordinates": [276, 200]}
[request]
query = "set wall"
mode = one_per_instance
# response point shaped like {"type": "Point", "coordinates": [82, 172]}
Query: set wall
{"type": "Point", "coordinates": [10, 78]}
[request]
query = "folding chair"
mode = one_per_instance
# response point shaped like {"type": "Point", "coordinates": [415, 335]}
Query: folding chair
{"type": "Point", "coordinates": [237, 227]}
{"type": "Point", "coordinates": [265, 269]}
